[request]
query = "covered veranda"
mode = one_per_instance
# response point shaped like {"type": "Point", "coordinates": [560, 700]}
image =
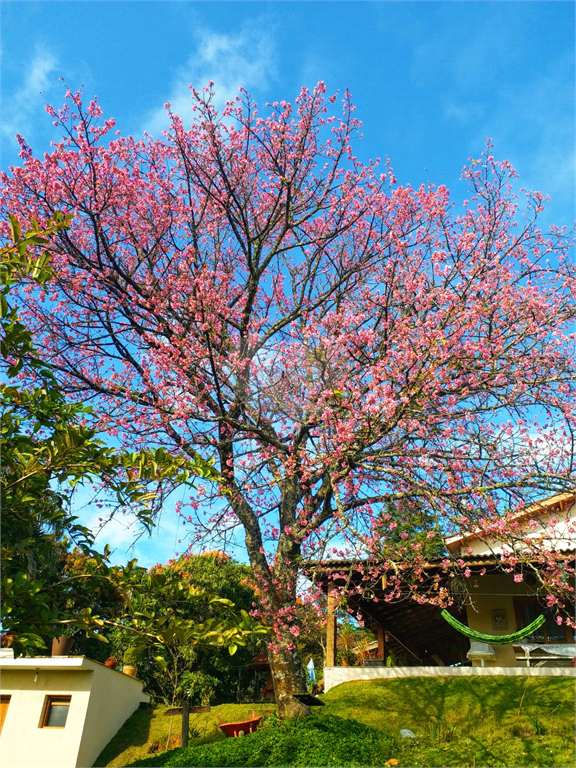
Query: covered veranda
{"type": "Point", "coordinates": [415, 635]}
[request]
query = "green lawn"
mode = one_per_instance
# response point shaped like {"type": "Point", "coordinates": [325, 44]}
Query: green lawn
{"type": "Point", "coordinates": [147, 726]}
{"type": "Point", "coordinates": [500, 722]}
{"type": "Point", "coordinates": [482, 721]}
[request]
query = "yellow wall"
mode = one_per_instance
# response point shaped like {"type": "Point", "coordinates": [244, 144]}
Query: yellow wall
{"type": "Point", "coordinates": [495, 591]}
{"type": "Point", "coordinates": [23, 743]}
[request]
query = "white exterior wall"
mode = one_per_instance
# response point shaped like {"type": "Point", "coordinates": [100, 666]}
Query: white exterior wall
{"type": "Point", "coordinates": [102, 700]}
{"type": "Point", "coordinates": [560, 536]}
{"type": "Point", "coordinates": [336, 675]}
{"type": "Point", "coordinates": [23, 743]}
{"type": "Point", "coordinates": [113, 698]}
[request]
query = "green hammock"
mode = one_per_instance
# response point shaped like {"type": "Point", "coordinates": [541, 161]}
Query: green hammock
{"type": "Point", "coordinates": [494, 639]}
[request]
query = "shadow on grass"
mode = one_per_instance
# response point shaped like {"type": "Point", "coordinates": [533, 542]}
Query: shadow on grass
{"type": "Point", "coordinates": [137, 737]}
{"type": "Point", "coordinates": [133, 734]}
{"type": "Point", "coordinates": [458, 700]}
{"type": "Point", "coordinates": [496, 721]}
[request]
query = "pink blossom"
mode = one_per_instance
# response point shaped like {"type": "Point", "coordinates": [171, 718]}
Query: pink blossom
{"type": "Point", "coordinates": [326, 350]}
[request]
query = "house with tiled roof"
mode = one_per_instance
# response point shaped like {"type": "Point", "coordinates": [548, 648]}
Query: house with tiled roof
{"type": "Point", "coordinates": [414, 638]}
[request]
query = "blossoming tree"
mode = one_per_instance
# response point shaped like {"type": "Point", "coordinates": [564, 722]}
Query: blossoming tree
{"type": "Point", "coordinates": [247, 291]}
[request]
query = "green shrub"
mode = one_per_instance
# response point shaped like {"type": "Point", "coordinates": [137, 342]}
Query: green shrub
{"type": "Point", "coordinates": [319, 740]}
{"type": "Point", "coordinates": [198, 687]}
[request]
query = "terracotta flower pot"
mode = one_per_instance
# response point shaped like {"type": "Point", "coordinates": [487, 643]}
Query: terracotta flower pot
{"type": "Point", "coordinates": [111, 662]}
{"type": "Point", "coordinates": [61, 646]}
{"type": "Point", "coordinates": [129, 669]}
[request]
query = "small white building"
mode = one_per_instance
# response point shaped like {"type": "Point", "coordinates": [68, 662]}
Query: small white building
{"type": "Point", "coordinates": [60, 712]}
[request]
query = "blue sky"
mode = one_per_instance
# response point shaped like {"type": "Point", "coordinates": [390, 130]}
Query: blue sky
{"type": "Point", "coordinates": [431, 81]}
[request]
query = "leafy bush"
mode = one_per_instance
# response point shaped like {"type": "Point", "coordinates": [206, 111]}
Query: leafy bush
{"type": "Point", "coordinates": [162, 668]}
{"type": "Point", "coordinates": [198, 686]}
{"type": "Point", "coordinates": [346, 656]}
{"type": "Point", "coordinates": [319, 740]}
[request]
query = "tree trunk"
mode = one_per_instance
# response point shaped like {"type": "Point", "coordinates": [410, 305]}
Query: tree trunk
{"type": "Point", "coordinates": [285, 665]}
{"type": "Point", "coordinates": [289, 678]}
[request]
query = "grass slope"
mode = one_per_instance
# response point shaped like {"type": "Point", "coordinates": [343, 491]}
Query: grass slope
{"type": "Point", "coordinates": [324, 740]}
{"type": "Point", "coordinates": [501, 722]}
{"type": "Point", "coordinates": [134, 740]}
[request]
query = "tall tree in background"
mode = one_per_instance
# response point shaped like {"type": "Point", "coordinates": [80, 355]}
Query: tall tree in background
{"type": "Point", "coordinates": [408, 529]}
{"type": "Point", "coordinates": [248, 292]}
{"type": "Point", "coordinates": [215, 574]}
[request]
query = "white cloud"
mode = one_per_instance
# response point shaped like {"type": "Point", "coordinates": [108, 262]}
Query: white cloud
{"type": "Point", "coordinates": [119, 532]}
{"type": "Point", "coordinates": [532, 126]}
{"type": "Point", "coordinates": [20, 108]}
{"type": "Point", "coordinates": [128, 539]}
{"type": "Point", "coordinates": [547, 111]}
{"type": "Point", "coordinates": [463, 111]}
{"type": "Point", "coordinates": [123, 531]}
{"type": "Point", "coordinates": [479, 73]}
{"type": "Point", "coordinates": [245, 59]}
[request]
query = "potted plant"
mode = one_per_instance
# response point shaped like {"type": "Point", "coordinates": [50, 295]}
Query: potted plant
{"type": "Point", "coordinates": [121, 650]}
{"type": "Point", "coordinates": [62, 645]}
{"type": "Point", "coordinates": [129, 661]}
{"type": "Point", "coordinates": [6, 650]}
{"type": "Point", "coordinates": [374, 661]}
{"type": "Point", "coordinates": [129, 669]}
{"type": "Point", "coordinates": [346, 657]}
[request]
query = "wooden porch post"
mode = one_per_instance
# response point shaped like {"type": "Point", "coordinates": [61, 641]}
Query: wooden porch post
{"type": "Point", "coordinates": [331, 630]}
{"type": "Point", "coordinates": [381, 643]}
{"type": "Point", "coordinates": [185, 721]}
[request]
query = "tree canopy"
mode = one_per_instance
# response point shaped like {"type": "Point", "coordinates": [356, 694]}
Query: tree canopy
{"type": "Point", "coordinates": [247, 292]}
{"type": "Point", "coordinates": [169, 669]}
